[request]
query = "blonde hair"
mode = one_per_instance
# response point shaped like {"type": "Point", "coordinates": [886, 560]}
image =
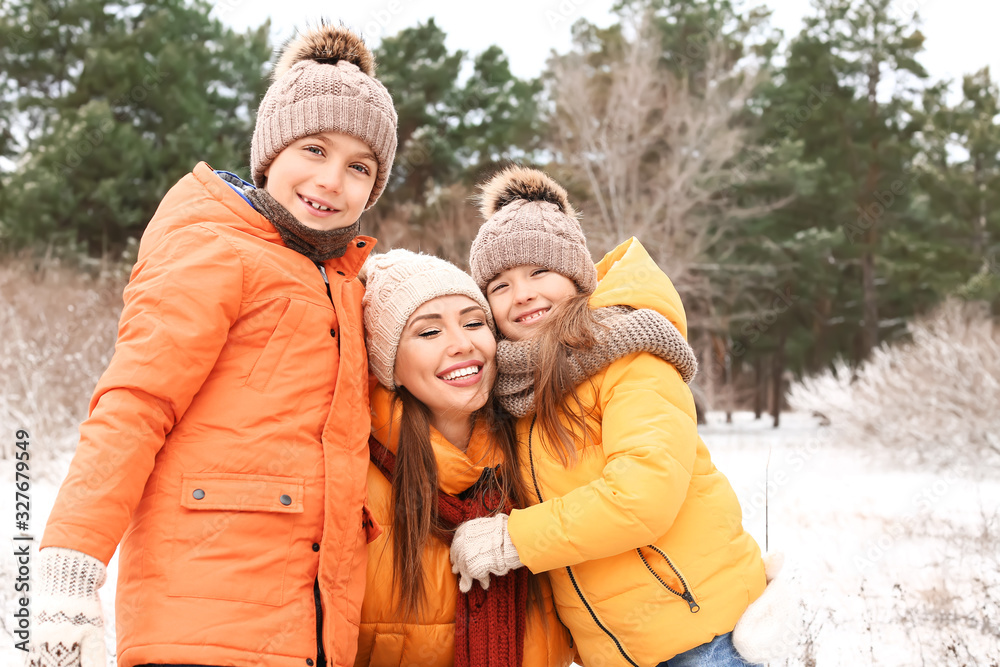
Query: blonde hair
{"type": "Point", "coordinates": [571, 327]}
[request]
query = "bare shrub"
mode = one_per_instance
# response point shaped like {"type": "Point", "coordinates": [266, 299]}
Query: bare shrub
{"type": "Point", "coordinates": [59, 325]}
{"type": "Point", "coordinates": [932, 400]}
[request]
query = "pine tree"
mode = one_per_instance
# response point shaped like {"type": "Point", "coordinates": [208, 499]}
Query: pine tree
{"type": "Point", "coordinates": [115, 102]}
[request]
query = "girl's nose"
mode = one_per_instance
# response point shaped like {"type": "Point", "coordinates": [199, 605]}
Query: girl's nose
{"type": "Point", "coordinates": [523, 292]}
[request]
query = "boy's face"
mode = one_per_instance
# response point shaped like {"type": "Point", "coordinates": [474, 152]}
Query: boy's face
{"type": "Point", "coordinates": [324, 180]}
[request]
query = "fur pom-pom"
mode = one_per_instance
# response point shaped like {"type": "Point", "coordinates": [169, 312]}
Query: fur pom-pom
{"type": "Point", "coordinates": [325, 44]}
{"type": "Point", "coordinates": [515, 183]}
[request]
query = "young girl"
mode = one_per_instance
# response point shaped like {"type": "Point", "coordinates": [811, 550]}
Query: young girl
{"type": "Point", "coordinates": [227, 442]}
{"type": "Point", "coordinates": [639, 532]}
{"type": "Point", "coordinates": [441, 453]}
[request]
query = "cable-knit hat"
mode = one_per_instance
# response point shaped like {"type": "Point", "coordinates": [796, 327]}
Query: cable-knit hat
{"type": "Point", "coordinates": [529, 220]}
{"type": "Point", "coordinates": [396, 284]}
{"type": "Point", "coordinates": [325, 81]}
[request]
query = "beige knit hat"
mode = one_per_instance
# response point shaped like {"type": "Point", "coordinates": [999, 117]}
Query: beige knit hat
{"type": "Point", "coordinates": [324, 81]}
{"type": "Point", "coordinates": [396, 284]}
{"type": "Point", "coordinates": [529, 221]}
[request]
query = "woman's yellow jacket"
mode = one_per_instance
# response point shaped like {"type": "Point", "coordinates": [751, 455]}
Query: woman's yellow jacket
{"type": "Point", "coordinates": [643, 537]}
{"type": "Point", "coordinates": [388, 639]}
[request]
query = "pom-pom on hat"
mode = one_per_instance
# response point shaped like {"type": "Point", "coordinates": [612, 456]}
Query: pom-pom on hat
{"type": "Point", "coordinates": [529, 221]}
{"type": "Point", "coordinates": [325, 81]}
{"type": "Point", "coordinates": [396, 284]}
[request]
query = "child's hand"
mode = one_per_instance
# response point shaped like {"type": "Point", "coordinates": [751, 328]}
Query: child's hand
{"type": "Point", "coordinates": [67, 624]}
{"type": "Point", "coordinates": [482, 547]}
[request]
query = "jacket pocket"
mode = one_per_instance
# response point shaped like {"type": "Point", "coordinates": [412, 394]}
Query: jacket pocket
{"type": "Point", "coordinates": [667, 574]}
{"type": "Point", "coordinates": [289, 318]}
{"type": "Point", "coordinates": [387, 649]}
{"type": "Point", "coordinates": [233, 536]}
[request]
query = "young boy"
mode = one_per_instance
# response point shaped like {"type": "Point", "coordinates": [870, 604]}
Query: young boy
{"type": "Point", "coordinates": [226, 447]}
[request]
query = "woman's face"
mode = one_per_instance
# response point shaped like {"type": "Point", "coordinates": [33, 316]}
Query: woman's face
{"type": "Point", "coordinates": [447, 357]}
{"type": "Point", "coordinates": [522, 297]}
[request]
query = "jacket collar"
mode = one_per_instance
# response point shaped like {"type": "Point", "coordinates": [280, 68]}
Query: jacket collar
{"type": "Point", "coordinates": [346, 266]}
{"type": "Point", "coordinates": [457, 470]}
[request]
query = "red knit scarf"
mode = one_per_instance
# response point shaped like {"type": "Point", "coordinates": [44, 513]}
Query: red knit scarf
{"type": "Point", "coordinates": [489, 625]}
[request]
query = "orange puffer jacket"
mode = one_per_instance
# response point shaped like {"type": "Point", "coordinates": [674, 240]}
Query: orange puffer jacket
{"type": "Point", "coordinates": [227, 443]}
{"type": "Point", "coordinates": [642, 537]}
{"type": "Point", "coordinates": [386, 639]}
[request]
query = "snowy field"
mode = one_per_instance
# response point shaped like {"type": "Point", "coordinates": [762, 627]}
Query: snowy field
{"type": "Point", "coordinates": [892, 566]}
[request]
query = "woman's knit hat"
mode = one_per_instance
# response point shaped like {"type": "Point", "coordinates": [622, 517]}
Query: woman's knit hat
{"type": "Point", "coordinates": [325, 81]}
{"type": "Point", "coordinates": [529, 222]}
{"type": "Point", "coordinates": [396, 284]}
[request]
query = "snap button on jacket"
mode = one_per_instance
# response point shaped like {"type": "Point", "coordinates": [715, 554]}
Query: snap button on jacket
{"type": "Point", "coordinates": [226, 440]}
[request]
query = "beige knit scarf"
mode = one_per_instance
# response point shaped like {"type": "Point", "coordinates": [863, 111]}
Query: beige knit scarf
{"type": "Point", "coordinates": [625, 330]}
{"type": "Point", "coordinates": [318, 245]}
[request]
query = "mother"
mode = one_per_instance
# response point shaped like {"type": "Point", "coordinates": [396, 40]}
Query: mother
{"type": "Point", "coordinates": [441, 453]}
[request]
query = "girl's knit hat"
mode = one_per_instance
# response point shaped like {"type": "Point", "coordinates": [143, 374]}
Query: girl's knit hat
{"type": "Point", "coordinates": [529, 221]}
{"type": "Point", "coordinates": [325, 81]}
{"type": "Point", "coordinates": [396, 284]}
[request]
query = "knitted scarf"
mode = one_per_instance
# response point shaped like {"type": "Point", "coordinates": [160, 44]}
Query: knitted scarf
{"type": "Point", "coordinates": [489, 625]}
{"type": "Point", "coordinates": [625, 330]}
{"type": "Point", "coordinates": [318, 245]}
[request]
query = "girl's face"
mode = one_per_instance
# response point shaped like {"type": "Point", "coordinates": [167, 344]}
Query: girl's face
{"type": "Point", "coordinates": [522, 297]}
{"type": "Point", "coordinates": [324, 180]}
{"type": "Point", "coordinates": [447, 358]}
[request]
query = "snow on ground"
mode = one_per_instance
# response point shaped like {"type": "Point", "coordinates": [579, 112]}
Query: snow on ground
{"type": "Point", "coordinates": [894, 567]}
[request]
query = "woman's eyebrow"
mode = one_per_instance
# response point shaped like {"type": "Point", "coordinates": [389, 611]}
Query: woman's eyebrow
{"type": "Point", "coordinates": [428, 316]}
{"type": "Point", "coordinates": [470, 309]}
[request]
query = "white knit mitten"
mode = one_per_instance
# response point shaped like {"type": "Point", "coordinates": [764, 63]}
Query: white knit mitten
{"type": "Point", "coordinates": [768, 629]}
{"type": "Point", "coordinates": [67, 627]}
{"type": "Point", "coordinates": [482, 547]}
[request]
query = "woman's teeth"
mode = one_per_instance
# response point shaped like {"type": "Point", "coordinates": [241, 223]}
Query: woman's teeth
{"type": "Point", "coordinates": [461, 373]}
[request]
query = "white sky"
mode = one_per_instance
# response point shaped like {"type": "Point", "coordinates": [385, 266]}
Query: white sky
{"type": "Point", "coordinates": [959, 33]}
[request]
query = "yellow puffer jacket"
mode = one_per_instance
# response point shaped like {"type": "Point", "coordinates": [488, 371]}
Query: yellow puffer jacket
{"type": "Point", "coordinates": [643, 537]}
{"type": "Point", "coordinates": [386, 639]}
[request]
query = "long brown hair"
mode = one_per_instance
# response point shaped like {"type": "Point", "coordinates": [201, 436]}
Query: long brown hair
{"type": "Point", "coordinates": [560, 413]}
{"type": "Point", "coordinates": [415, 515]}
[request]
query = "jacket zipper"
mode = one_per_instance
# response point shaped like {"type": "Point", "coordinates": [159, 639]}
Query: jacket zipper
{"type": "Point", "coordinates": [320, 653]}
{"type": "Point", "coordinates": [569, 570]}
{"type": "Point", "coordinates": [686, 594]}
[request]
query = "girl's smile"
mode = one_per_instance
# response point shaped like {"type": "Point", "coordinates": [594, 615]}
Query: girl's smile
{"type": "Point", "coordinates": [522, 297]}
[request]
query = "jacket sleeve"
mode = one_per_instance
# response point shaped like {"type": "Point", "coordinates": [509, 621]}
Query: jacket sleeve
{"type": "Point", "coordinates": [650, 441]}
{"type": "Point", "coordinates": [180, 303]}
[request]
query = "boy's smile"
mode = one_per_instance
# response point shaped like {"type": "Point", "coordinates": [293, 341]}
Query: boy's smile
{"type": "Point", "coordinates": [324, 180]}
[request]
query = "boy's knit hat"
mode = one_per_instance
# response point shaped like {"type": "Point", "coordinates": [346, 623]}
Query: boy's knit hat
{"type": "Point", "coordinates": [325, 81]}
{"type": "Point", "coordinates": [529, 221]}
{"type": "Point", "coordinates": [396, 284]}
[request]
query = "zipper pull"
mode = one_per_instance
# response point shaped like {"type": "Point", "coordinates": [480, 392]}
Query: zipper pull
{"type": "Point", "coordinates": [692, 605]}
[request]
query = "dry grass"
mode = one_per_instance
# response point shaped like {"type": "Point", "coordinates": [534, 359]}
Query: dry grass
{"type": "Point", "coordinates": [59, 325]}
{"type": "Point", "coordinates": [932, 401]}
